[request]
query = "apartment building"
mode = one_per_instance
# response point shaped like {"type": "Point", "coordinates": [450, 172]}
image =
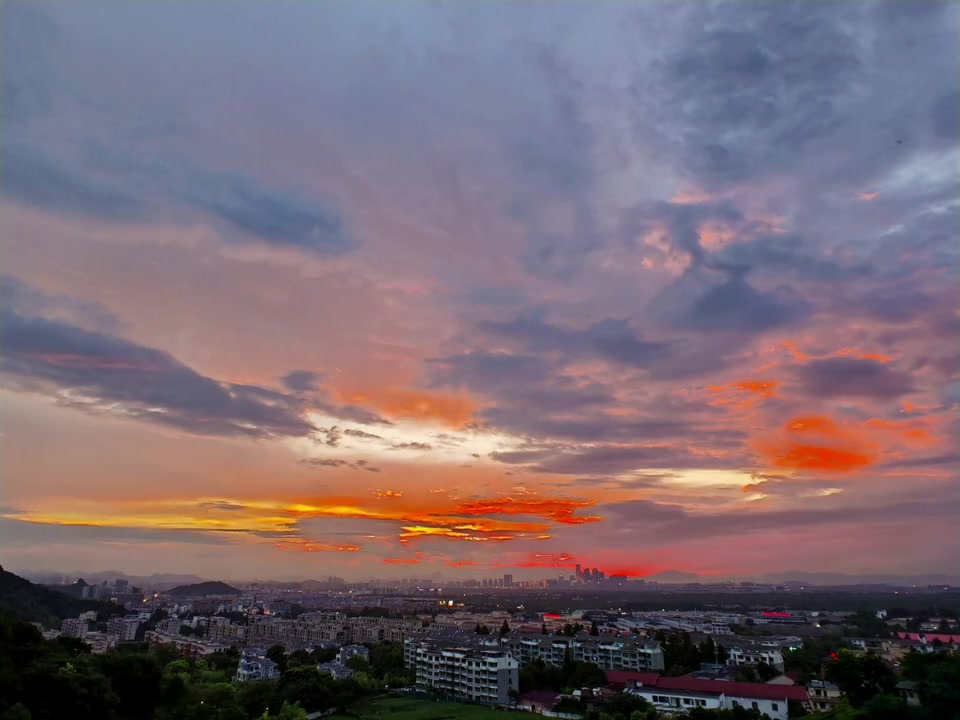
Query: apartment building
{"type": "Point", "coordinates": [476, 675]}
{"type": "Point", "coordinates": [124, 628]}
{"type": "Point", "coordinates": [170, 626]}
{"type": "Point", "coordinates": [607, 653]}
{"type": "Point", "coordinates": [74, 628]}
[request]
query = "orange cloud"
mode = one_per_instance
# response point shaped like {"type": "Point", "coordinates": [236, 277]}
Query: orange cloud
{"type": "Point", "coordinates": [813, 424]}
{"type": "Point", "coordinates": [821, 458]}
{"type": "Point", "coordinates": [388, 494]}
{"type": "Point", "coordinates": [911, 431]}
{"type": "Point", "coordinates": [733, 393]}
{"type": "Point", "coordinates": [545, 560]}
{"type": "Point", "coordinates": [878, 357]}
{"type": "Point", "coordinates": [413, 532]}
{"type": "Point", "coordinates": [561, 511]}
{"type": "Point", "coordinates": [867, 196]}
{"type": "Point", "coordinates": [795, 351]}
{"type": "Point", "coordinates": [309, 546]}
{"type": "Point", "coordinates": [452, 410]}
{"type": "Point", "coordinates": [415, 560]}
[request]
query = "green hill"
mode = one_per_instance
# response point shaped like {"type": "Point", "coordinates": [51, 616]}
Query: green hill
{"type": "Point", "coordinates": [203, 589]}
{"type": "Point", "coordinates": [34, 603]}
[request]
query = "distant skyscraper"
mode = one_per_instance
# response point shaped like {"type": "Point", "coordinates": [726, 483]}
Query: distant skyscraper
{"type": "Point", "coordinates": [579, 572]}
{"type": "Point", "coordinates": [508, 581]}
{"type": "Point", "coordinates": [596, 574]}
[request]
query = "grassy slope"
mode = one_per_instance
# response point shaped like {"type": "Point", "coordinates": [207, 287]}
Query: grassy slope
{"type": "Point", "coordinates": [411, 709]}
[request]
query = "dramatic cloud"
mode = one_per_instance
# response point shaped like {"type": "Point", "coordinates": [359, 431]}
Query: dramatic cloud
{"type": "Point", "coordinates": [852, 377]}
{"type": "Point", "coordinates": [426, 290]}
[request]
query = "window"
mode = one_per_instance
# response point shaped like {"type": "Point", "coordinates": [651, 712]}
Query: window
{"type": "Point", "coordinates": [774, 706]}
{"type": "Point", "coordinates": [755, 705]}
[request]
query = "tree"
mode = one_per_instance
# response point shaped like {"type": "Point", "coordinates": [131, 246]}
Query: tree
{"type": "Point", "coordinates": [860, 677]}
{"type": "Point", "coordinates": [543, 629]}
{"type": "Point", "coordinates": [286, 712]}
{"type": "Point", "coordinates": [505, 628]}
{"type": "Point", "coordinates": [594, 628]}
{"type": "Point", "coordinates": [278, 653]}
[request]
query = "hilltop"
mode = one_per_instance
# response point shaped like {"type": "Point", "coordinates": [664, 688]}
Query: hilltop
{"type": "Point", "coordinates": [35, 603]}
{"type": "Point", "coordinates": [214, 587]}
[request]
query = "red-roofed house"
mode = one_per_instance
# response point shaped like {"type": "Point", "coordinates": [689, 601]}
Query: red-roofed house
{"type": "Point", "coordinates": [680, 694]}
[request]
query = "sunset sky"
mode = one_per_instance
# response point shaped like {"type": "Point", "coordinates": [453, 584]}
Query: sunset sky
{"type": "Point", "coordinates": [377, 289]}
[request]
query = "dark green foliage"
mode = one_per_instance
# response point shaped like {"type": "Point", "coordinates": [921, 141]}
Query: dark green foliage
{"type": "Point", "coordinates": [681, 656]}
{"type": "Point", "coordinates": [35, 603]}
{"type": "Point", "coordinates": [938, 682]}
{"type": "Point", "coordinates": [505, 628]}
{"type": "Point", "coordinates": [860, 677]}
{"type": "Point", "coordinates": [537, 675]}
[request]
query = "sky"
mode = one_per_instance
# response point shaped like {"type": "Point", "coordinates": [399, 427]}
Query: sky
{"type": "Point", "coordinates": [365, 289]}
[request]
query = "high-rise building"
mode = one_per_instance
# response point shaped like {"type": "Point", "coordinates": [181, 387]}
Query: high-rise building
{"type": "Point", "coordinates": [586, 574]}
{"type": "Point", "coordinates": [596, 574]}
{"type": "Point", "coordinates": [508, 581]}
{"type": "Point", "coordinates": [579, 572]}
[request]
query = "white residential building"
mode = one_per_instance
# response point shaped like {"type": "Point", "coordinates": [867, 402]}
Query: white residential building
{"type": "Point", "coordinates": [255, 665]}
{"type": "Point", "coordinates": [754, 655]}
{"type": "Point", "coordinates": [349, 651]}
{"type": "Point", "coordinates": [484, 676]}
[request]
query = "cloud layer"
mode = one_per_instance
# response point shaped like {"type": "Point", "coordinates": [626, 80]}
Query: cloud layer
{"type": "Point", "coordinates": [355, 291]}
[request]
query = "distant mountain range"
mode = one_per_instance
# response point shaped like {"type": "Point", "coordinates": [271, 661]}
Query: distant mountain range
{"type": "Point", "coordinates": [798, 577]}
{"type": "Point", "coordinates": [157, 581]}
{"type": "Point", "coordinates": [166, 581]}
{"type": "Point", "coordinates": [203, 589]}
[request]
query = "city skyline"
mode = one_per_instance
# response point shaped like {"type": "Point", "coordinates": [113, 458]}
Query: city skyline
{"type": "Point", "coordinates": [386, 290]}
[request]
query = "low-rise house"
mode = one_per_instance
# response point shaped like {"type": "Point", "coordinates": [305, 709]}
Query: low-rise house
{"type": "Point", "coordinates": [822, 696]}
{"type": "Point", "coordinates": [350, 651]}
{"type": "Point", "coordinates": [681, 694]}
{"type": "Point", "coordinates": [336, 670]}
{"type": "Point", "coordinates": [255, 665]}
{"type": "Point", "coordinates": [907, 689]}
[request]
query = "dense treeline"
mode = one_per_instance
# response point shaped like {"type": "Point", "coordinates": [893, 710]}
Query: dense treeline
{"type": "Point", "coordinates": [56, 679]}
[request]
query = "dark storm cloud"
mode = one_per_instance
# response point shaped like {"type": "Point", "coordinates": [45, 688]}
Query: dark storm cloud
{"type": "Point", "coordinates": [115, 186]}
{"type": "Point", "coordinates": [302, 381]}
{"type": "Point", "coordinates": [788, 255]}
{"type": "Point", "coordinates": [736, 306]}
{"type": "Point", "coordinates": [610, 459]}
{"type": "Point", "coordinates": [31, 176]}
{"type": "Point", "coordinates": [523, 419]}
{"type": "Point", "coordinates": [852, 377]}
{"type": "Point", "coordinates": [891, 304]}
{"type": "Point", "coordinates": [609, 339]}
{"type": "Point", "coordinates": [482, 370]}
{"type": "Point", "coordinates": [102, 372]}
{"type": "Point", "coordinates": [280, 218]}
{"type": "Point", "coordinates": [769, 88]}
{"type": "Point", "coordinates": [27, 300]}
